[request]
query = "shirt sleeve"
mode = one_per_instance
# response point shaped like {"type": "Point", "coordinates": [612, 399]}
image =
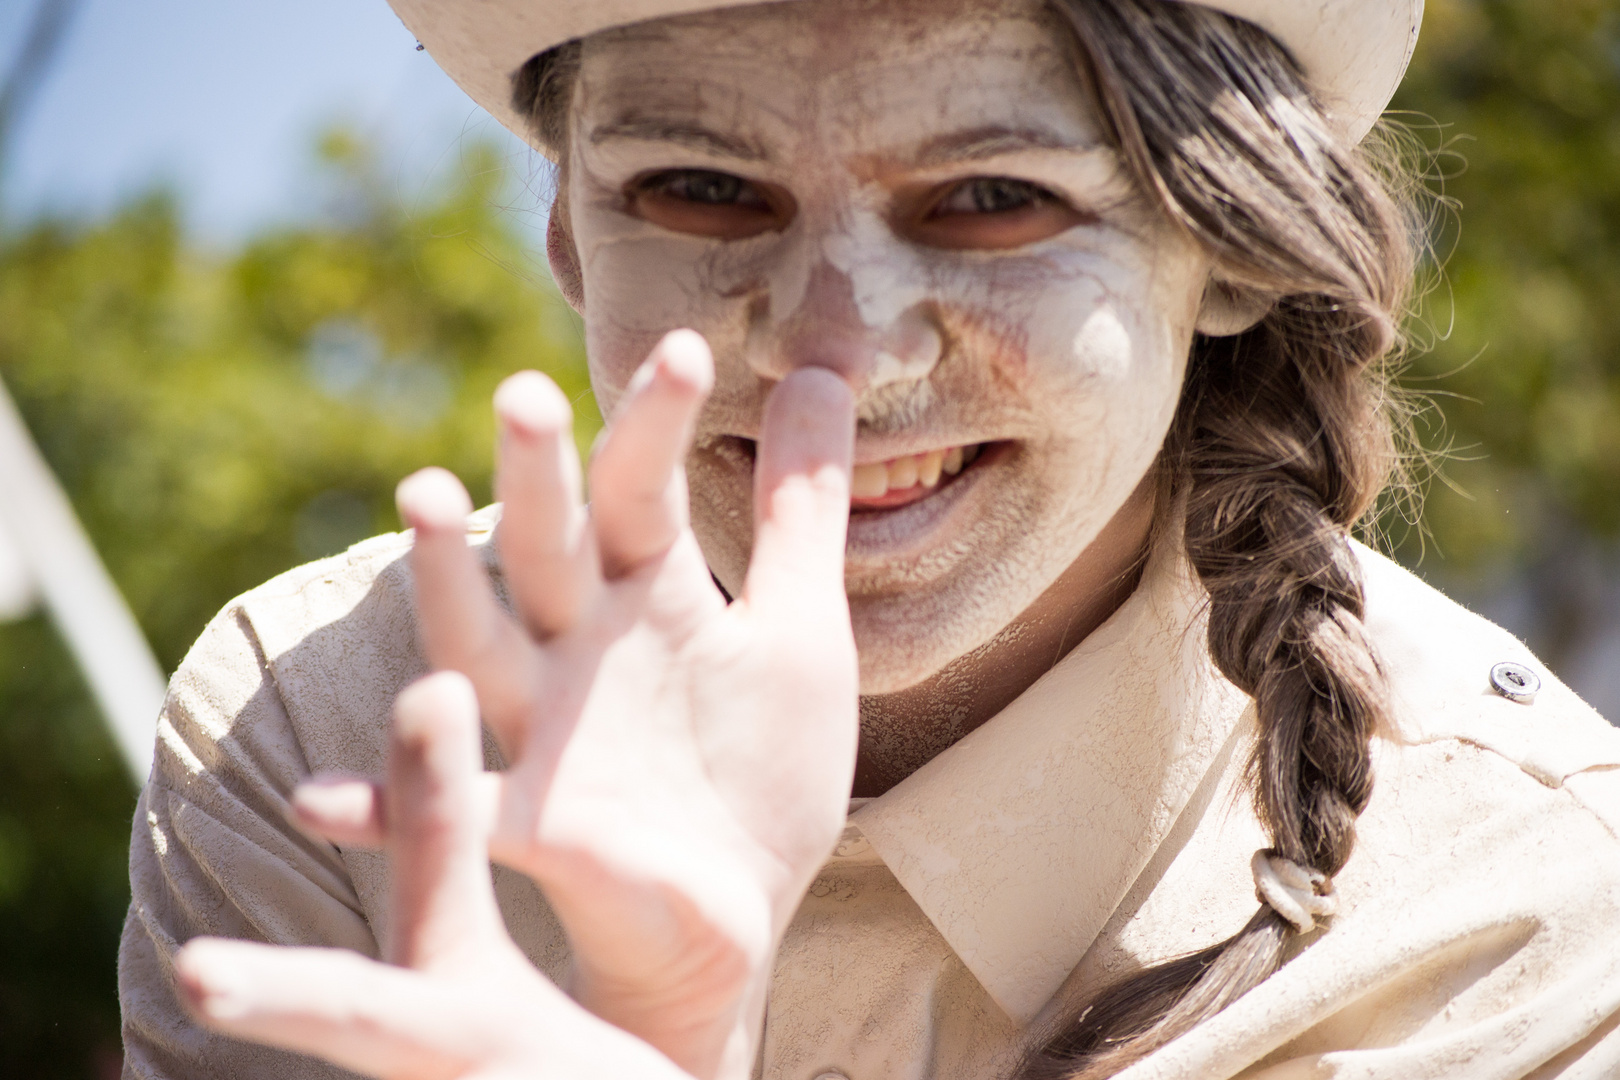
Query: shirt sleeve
{"type": "Point", "coordinates": [1563, 1021]}
{"type": "Point", "coordinates": [1475, 941]}
{"type": "Point", "coordinates": [213, 853]}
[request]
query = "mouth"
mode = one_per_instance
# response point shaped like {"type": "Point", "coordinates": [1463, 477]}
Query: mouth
{"type": "Point", "coordinates": [901, 481]}
{"type": "Point", "coordinates": [914, 518]}
{"type": "Point", "coordinates": [898, 481]}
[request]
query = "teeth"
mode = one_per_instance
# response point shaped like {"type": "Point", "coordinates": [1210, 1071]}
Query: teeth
{"type": "Point", "coordinates": [902, 473]}
{"type": "Point", "coordinates": [929, 467]}
{"type": "Point", "coordinates": [869, 481]}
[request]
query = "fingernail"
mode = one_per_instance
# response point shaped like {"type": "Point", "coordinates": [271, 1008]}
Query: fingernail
{"type": "Point", "coordinates": [688, 360]}
{"type": "Point", "coordinates": [532, 403]}
{"type": "Point", "coordinates": [433, 498]}
{"type": "Point", "coordinates": [213, 986]}
{"type": "Point", "coordinates": [422, 708]}
{"type": "Point", "coordinates": [334, 799]}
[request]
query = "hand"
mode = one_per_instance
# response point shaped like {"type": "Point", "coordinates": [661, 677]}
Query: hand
{"type": "Point", "coordinates": [680, 767]}
{"type": "Point", "coordinates": [464, 1004]}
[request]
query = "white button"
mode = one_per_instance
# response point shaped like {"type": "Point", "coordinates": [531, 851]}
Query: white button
{"type": "Point", "coordinates": [1515, 682]}
{"type": "Point", "coordinates": [832, 1075]}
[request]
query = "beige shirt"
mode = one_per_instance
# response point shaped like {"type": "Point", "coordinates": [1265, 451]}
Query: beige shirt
{"type": "Point", "coordinates": [1096, 825]}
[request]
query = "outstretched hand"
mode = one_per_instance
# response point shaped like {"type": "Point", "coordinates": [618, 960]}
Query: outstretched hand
{"type": "Point", "coordinates": [460, 1000]}
{"type": "Point", "coordinates": [679, 766]}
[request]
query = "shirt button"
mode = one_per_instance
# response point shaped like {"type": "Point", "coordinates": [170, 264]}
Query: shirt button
{"type": "Point", "coordinates": [832, 1074]}
{"type": "Point", "coordinates": [850, 844]}
{"type": "Point", "coordinates": [1515, 682]}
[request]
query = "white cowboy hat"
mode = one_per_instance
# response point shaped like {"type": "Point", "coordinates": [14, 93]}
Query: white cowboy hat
{"type": "Point", "coordinates": [1354, 52]}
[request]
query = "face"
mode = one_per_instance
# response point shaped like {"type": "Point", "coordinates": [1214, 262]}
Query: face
{"type": "Point", "coordinates": [916, 194]}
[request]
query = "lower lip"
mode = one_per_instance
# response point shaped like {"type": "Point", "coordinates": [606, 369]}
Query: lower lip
{"type": "Point", "coordinates": [909, 522]}
{"type": "Point", "coordinates": [891, 500]}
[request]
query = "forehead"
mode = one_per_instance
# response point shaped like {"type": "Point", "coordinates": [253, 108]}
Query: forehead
{"type": "Point", "coordinates": [854, 71]}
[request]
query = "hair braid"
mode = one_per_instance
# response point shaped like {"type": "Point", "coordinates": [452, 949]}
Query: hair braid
{"type": "Point", "coordinates": [1271, 491]}
{"type": "Point", "coordinates": [1282, 442]}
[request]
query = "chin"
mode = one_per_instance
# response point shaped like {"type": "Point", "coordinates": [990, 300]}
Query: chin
{"type": "Point", "coordinates": [929, 580]}
{"type": "Point", "coordinates": [891, 662]}
{"type": "Point", "coordinates": [904, 639]}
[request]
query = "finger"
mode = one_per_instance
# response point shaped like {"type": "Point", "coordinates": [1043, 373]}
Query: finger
{"type": "Point", "coordinates": [801, 498]}
{"type": "Point", "coordinates": [334, 1004]}
{"type": "Point", "coordinates": [352, 812]}
{"type": "Point", "coordinates": [346, 810]}
{"type": "Point", "coordinates": [389, 1022]}
{"type": "Point", "coordinates": [638, 485]}
{"type": "Point", "coordinates": [543, 518]}
{"type": "Point", "coordinates": [463, 628]}
{"type": "Point", "coordinates": [443, 902]}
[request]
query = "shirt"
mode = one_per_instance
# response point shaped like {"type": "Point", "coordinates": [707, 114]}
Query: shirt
{"type": "Point", "coordinates": [1098, 824]}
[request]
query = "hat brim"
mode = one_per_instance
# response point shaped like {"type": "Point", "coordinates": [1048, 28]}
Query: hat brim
{"type": "Point", "coordinates": [1354, 52]}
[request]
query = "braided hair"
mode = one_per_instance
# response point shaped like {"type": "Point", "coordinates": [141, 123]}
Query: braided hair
{"type": "Point", "coordinates": [1282, 442]}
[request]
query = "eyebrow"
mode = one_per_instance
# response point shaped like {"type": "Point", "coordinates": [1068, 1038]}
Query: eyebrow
{"type": "Point", "coordinates": [682, 133]}
{"type": "Point", "coordinates": [988, 142]}
{"type": "Point", "coordinates": [976, 144]}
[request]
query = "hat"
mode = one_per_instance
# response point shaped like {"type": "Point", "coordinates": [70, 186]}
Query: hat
{"type": "Point", "coordinates": [1353, 52]}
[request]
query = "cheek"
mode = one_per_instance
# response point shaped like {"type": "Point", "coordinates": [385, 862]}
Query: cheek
{"type": "Point", "coordinates": [1095, 344]}
{"type": "Point", "coordinates": [1113, 360]}
{"type": "Point", "coordinates": [1109, 347]}
{"type": "Point", "coordinates": [1084, 335]}
{"type": "Point", "coordinates": [1111, 407]}
{"type": "Point", "coordinates": [638, 286]}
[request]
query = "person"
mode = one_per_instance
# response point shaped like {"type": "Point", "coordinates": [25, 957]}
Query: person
{"type": "Point", "coordinates": [964, 667]}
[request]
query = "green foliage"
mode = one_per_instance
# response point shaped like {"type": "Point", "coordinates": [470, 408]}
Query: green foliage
{"type": "Point", "coordinates": [65, 802]}
{"type": "Point", "coordinates": [1527, 94]}
{"type": "Point", "coordinates": [216, 421]}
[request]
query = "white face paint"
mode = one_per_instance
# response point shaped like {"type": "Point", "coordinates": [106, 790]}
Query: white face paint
{"type": "Point", "coordinates": [1056, 360]}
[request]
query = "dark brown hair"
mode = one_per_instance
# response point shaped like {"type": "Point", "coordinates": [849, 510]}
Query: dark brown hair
{"type": "Point", "coordinates": [1282, 441]}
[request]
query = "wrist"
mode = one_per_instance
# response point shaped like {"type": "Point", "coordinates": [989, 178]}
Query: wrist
{"type": "Point", "coordinates": [703, 1019]}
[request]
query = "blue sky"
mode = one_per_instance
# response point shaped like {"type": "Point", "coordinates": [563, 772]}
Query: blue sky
{"type": "Point", "coordinates": [221, 99]}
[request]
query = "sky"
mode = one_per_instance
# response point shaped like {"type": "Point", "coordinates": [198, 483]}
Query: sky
{"type": "Point", "coordinates": [221, 100]}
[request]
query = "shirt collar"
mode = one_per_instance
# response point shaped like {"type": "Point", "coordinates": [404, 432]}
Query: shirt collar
{"type": "Point", "coordinates": [1020, 840]}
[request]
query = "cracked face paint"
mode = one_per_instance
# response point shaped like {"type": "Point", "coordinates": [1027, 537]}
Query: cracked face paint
{"type": "Point", "coordinates": [877, 144]}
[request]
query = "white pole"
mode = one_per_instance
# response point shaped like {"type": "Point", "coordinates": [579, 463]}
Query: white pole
{"type": "Point", "coordinates": [19, 595]}
{"type": "Point", "coordinates": [82, 600]}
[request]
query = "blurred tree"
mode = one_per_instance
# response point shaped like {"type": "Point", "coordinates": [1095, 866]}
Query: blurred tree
{"type": "Point", "coordinates": [1527, 93]}
{"type": "Point", "coordinates": [216, 421]}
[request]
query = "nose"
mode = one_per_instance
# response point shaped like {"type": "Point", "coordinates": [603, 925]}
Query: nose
{"type": "Point", "coordinates": [827, 330]}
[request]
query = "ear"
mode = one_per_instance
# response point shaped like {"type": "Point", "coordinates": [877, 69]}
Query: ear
{"type": "Point", "coordinates": [564, 257]}
{"type": "Point", "coordinates": [1229, 309]}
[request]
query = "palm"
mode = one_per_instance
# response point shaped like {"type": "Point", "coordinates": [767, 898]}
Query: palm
{"type": "Point", "coordinates": [668, 789]}
{"type": "Point", "coordinates": [679, 766]}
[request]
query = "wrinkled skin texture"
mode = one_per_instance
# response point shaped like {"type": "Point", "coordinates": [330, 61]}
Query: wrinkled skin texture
{"type": "Point", "coordinates": [1067, 352]}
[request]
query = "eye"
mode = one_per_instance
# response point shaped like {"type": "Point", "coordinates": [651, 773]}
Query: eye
{"type": "Point", "coordinates": [704, 202]}
{"type": "Point", "coordinates": [993, 213]}
{"type": "Point", "coordinates": [704, 186]}
{"type": "Point", "coordinates": [992, 195]}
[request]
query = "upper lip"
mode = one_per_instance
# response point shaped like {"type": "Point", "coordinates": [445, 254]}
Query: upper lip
{"type": "Point", "coordinates": [865, 455]}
